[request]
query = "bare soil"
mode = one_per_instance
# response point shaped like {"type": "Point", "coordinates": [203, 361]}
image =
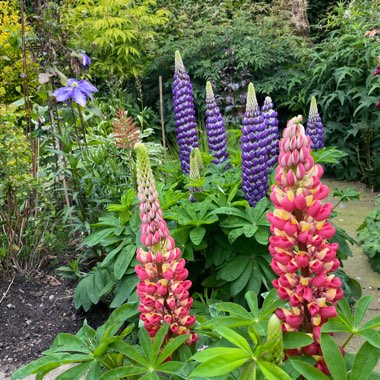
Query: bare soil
{"type": "Point", "coordinates": [32, 313]}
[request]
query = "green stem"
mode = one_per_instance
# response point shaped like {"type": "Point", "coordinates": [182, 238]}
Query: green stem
{"type": "Point", "coordinates": [83, 127]}
{"type": "Point", "coordinates": [348, 340]}
{"type": "Point", "coordinates": [336, 205]}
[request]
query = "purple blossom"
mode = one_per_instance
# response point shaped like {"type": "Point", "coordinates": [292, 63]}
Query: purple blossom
{"type": "Point", "coordinates": [216, 133]}
{"type": "Point", "coordinates": [77, 90]}
{"type": "Point", "coordinates": [85, 60]}
{"type": "Point", "coordinates": [254, 151]}
{"type": "Point", "coordinates": [184, 113]}
{"type": "Point", "coordinates": [314, 128]}
{"type": "Point", "coordinates": [271, 123]}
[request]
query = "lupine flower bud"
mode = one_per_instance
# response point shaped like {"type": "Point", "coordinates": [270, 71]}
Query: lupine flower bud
{"type": "Point", "coordinates": [275, 335]}
{"type": "Point", "coordinates": [314, 127]}
{"type": "Point", "coordinates": [184, 113]}
{"type": "Point", "coordinates": [196, 166]}
{"type": "Point", "coordinates": [302, 256]}
{"type": "Point", "coordinates": [163, 286]}
{"type": "Point", "coordinates": [254, 151]}
{"type": "Point", "coordinates": [271, 123]}
{"type": "Point", "coordinates": [216, 133]}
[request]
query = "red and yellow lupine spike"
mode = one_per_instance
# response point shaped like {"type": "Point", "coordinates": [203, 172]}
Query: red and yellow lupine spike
{"type": "Point", "coordinates": [163, 289]}
{"type": "Point", "coordinates": [303, 258]}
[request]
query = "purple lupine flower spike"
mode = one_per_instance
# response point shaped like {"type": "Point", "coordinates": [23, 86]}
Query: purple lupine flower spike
{"type": "Point", "coordinates": [216, 133]}
{"type": "Point", "coordinates": [184, 113]}
{"type": "Point", "coordinates": [314, 127]}
{"type": "Point", "coordinates": [254, 151]}
{"type": "Point", "coordinates": [271, 123]}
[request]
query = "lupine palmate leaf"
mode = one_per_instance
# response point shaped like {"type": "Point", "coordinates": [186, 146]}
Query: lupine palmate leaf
{"type": "Point", "coordinates": [272, 371]}
{"type": "Point", "coordinates": [308, 371]}
{"type": "Point", "coordinates": [333, 357]}
{"type": "Point", "coordinates": [364, 362]}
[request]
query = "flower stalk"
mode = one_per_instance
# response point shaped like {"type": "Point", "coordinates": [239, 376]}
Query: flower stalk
{"type": "Point", "coordinates": [254, 151]}
{"type": "Point", "coordinates": [184, 113]}
{"type": "Point", "coordinates": [216, 133]}
{"type": "Point", "coordinates": [163, 288]}
{"type": "Point", "coordinates": [196, 166]}
{"type": "Point", "coordinates": [302, 256]}
{"type": "Point", "coordinates": [271, 123]}
{"type": "Point", "coordinates": [314, 127]}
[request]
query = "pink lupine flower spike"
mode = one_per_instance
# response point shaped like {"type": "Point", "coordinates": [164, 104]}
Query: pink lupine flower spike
{"type": "Point", "coordinates": [163, 289]}
{"type": "Point", "coordinates": [303, 258]}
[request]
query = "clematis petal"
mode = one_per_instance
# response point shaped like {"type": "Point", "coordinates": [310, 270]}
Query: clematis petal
{"type": "Point", "coordinates": [63, 94]}
{"type": "Point", "coordinates": [79, 97]}
{"type": "Point", "coordinates": [87, 87]}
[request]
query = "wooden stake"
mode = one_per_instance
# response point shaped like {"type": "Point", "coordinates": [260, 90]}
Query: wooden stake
{"type": "Point", "coordinates": [162, 114]}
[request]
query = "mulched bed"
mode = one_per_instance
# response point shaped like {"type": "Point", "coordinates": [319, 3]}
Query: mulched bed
{"type": "Point", "coordinates": [32, 313]}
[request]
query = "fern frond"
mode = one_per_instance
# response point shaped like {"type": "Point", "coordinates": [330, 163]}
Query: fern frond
{"type": "Point", "coordinates": [126, 133]}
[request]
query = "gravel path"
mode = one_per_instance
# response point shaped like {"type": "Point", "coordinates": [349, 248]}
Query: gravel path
{"type": "Point", "coordinates": [350, 217]}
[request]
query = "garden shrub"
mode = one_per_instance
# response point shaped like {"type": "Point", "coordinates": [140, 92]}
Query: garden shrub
{"type": "Point", "coordinates": [11, 69]}
{"type": "Point", "coordinates": [339, 73]}
{"type": "Point", "coordinates": [22, 220]}
{"type": "Point", "coordinates": [369, 236]}
{"type": "Point", "coordinates": [217, 41]}
{"type": "Point", "coordinates": [117, 33]}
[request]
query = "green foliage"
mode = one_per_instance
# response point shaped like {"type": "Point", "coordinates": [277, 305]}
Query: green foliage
{"type": "Point", "coordinates": [247, 345]}
{"type": "Point", "coordinates": [224, 237]}
{"type": "Point", "coordinates": [339, 75]}
{"type": "Point", "coordinates": [225, 42]}
{"type": "Point", "coordinates": [11, 66]}
{"type": "Point", "coordinates": [117, 235]}
{"type": "Point", "coordinates": [328, 155]}
{"type": "Point", "coordinates": [151, 360]}
{"type": "Point", "coordinates": [23, 226]}
{"type": "Point", "coordinates": [92, 351]}
{"type": "Point", "coordinates": [369, 236]}
{"type": "Point", "coordinates": [360, 365]}
{"type": "Point", "coordinates": [117, 32]}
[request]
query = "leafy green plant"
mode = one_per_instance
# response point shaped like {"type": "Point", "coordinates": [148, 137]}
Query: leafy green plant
{"type": "Point", "coordinates": [117, 235]}
{"type": "Point", "coordinates": [152, 360]}
{"type": "Point", "coordinates": [118, 32]}
{"type": "Point", "coordinates": [369, 236]}
{"type": "Point", "coordinates": [216, 41]}
{"type": "Point", "coordinates": [339, 75]}
{"type": "Point", "coordinates": [352, 366]}
{"type": "Point", "coordinates": [90, 350]}
{"type": "Point", "coordinates": [220, 230]}
{"type": "Point", "coordinates": [23, 222]}
{"type": "Point", "coordinates": [247, 347]}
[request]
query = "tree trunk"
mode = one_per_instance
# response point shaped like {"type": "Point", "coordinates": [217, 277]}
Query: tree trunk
{"type": "Point", "coordinates": [299, 16]}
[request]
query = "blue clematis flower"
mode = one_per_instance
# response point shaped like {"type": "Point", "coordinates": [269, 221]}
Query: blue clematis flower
{"type": "Point", "coordinates": [77, 90]}
{"type": "Point", "coordinates": [85, 60]}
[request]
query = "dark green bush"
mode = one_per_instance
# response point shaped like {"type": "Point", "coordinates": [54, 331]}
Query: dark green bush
{"type": "Point", "coordinates": [369, 236]}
